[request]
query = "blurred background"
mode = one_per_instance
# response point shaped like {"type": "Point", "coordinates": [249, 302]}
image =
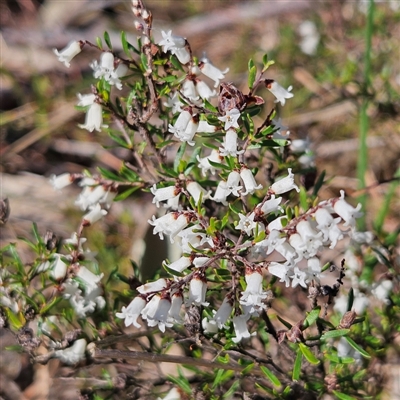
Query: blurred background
{"type": "Point", "coordinates": [318, 47]}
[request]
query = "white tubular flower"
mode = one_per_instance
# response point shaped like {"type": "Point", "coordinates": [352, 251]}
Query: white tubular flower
{"type": "Point", "coordinates": [232, 184]}
{"type": "Point", "coordinates": [205, 127]}
{"type": "Point", "coordinates": [249, 182]}
{"type": "Point", "coordinates": [328, 226]}
{"type": "Point", "coordinates": [179, 128]}
{"type": "Point", "coordinates": [346, 211]}
{"type": "Point", "coordinates": [212, 72]}
{"type": "Point", "coordinates": [197, 290]}
{"type": "Point", "coordinates": [90, 196]}
{"type": "Point", "coordinates": [72, 355]}
{"type": "Point", "coordinates": [300, 145]}
{"type": "Point", "coordinates": [363, 237]}
{"type": "Point", "coordinates": [170, 224]}
{"type": "Point", "coordinates": [246, 223]}
{"type": "Point", "coordinates": [298, 278]}
{"type": "Point", "coordinates": [181, 264]}
{"type": "Point", "coordinates": [169, 41]}
{"type": "Point", "coordinates": [160, 316]}
{"type": "Point", "coordinates": [200, 261]}
{"type": "Point", "coordinates": [94, 215]}
{"type": "Point", "coordinates": [221, 193]}
{"type": "Point", "coordinates": [311, 237]}
{"type": "Point", "coordinates": [86, 99]}
{"type": "Point", "coordinates": [190, 238]}
{"type": "Point", "coordinates": [382, 290]}
{"type": "Point", "coordinates": [272, 205]}
{"type": "Point", "coordinates": [164, 194]}
{"type": "Point", "coordinates": [271, 242]}
{"type": "Point", "coordinates": [190, 131]}
{"type": "Point", "coordinates": [276, 224]}
{"type": "Point", "coordinates": [204, 162]}
{"type": "Point", "coordinates": [204, 91]}
{"type": "Point", "coordinates": [209, 326]}
{"type": "Point", "coordinates": [278, 91]}
{"type": "Point", "coordinates": [173, 394]}
{"type": "Point", "coordinates": [223, 313]}
{"type": "Point", "coordinates": [68, 53]}
{"type": "Point", "coordinates": [287, 251]}
{"type": "Point", "coordinates": [150, 310]}
{"type": "Point", "coordinates": [182, 54]}
{"type": "Point", "coordinates": [280, 128]}
{"type": "Point", "coordinates": [174, 103]}
{"type": "Point", "coordinates": [131, 313]}
{"type": "Point", "coordinates": [61, 181]}
{"type": "Point", "coordinates": [229, 147]}
{"type": "Point", "coordinates": [155, 286]}
{"type": "Point", "coordinates": [94, 118]}
{"type": "Point", "coordinates": [107, 71]}
{"type": "Point", "coordinates": [285, 184]}
{"type": "Point", "coordinates": [240, 326]}
{"type": "Point", "coordinates": [282, 271]}
{"type": "Point", "coordinates": [59, 268]}
{"type": "Point", "coordinates": [195, 190]}
{"type": "Point", "coordinates": [176, 304]}
{"type": "Point", "coordinates": [190, 92]}
{"type": "Point", "coordinates": [230, 118]}
{"type": "Point", "coordinates": [313, 269]}
{"type": "Point", "coordinates": [253, 295]}
{"type": "Point", "coordinates": [89, 279]}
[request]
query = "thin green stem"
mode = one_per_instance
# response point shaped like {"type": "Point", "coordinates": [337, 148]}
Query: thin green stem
{"type": "Point", "coordinates": [362, 163]}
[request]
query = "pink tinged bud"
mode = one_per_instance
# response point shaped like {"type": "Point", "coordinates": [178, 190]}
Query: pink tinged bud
{"type": "Point", "coordinates": [249, 182]}
{"type": "Point", "coordinates": [229, 147]}
{"type": "Point", "coordinates": [94, 118]}
{"type": "Point", "coordinates": [86, 99]}
{"type": "Point", "coordinates": [155, 286]}
{"type": "Point", "coordinates": [272, 205]}
{"type": "Point", "coordinates": [212, 72]}
{"type": "Point", "coordinates": [232, 183]}
{"type": "Point", "coordinates": [204, 91]}
{"type": "Point", "coordinates": [278, 91]}
{"type": "Point", "coordinates": [285, 184]}
{"type": "Point", "coordinates": [197, 290]}
{"type": "Point", "coordinates": [94, 215]}
{"type": "Point", "coordinates": [221, 193]}
{"type": "Point", "coordinates": [230, 118]}
{"type": "Point", "coordinates": [240, 326]}
{"type": "Point", "coordinates": [181, 264]}
{"type": "Point", "coordinates": [139, 26]}
{"type": "Point", "coordinates": [164, 194]}
{"type": "Point", "coordinates": [59, 268]}
{"type": "Point", "coordinates": [131, 313]}
{"type": "Point", "coordinates": [346, 211]}
{"type": "Point", "coordinates": [61, 181]}
{"type": "Point", "coordinates": [196, 191]}
{"type": "Point", "coordinates": [74, 354]}
{"type": "Point", "coordinates": [68, 53]}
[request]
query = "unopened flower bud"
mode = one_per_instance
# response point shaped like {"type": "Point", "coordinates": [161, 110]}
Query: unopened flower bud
{"type": "Point", "coordinates": [139, 26]}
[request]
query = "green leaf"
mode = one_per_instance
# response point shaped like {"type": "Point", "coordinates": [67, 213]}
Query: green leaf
{"type": "Point", "coordinates": [248, 369]}
{"type": "Point", "coordinates": [303, 198]}
{"type": "Point", "coordinates": [297, 366]}
{"type": "Point", "coordinates": [209, 106]}
{"type": "Point", "coordinates": [356, 347]}
{"type": "Point", "coordinates": [342, 396]}
{"type": "Point", "coordinates": [179, 155]}
{"type": "Point", "coordinates": [182, 382]}
{"type": "Point", "coordinates": [143, 59]}
{"type": "Point", "coordinates": [217, 378]}
{"type": "Point", "coordinates": [350, 300]}
{"type": "Point", "coordinates": [252, 77]}
{"type": "Point", "coordinates": [287, 324]}
{"type": "Point", "coordinates": [126, 193]}
{"type": "Point", "coordinates": [105, 173]}
{"type": "Point", "coordinates": [125, 45]}
{"type": "Point", "coordinates": [50, 305]}
{"type": "Point", "coordinates": [219, 165]}
{"type": "Point", "coordinates": [16, 321]}
{"type": "Point", "coordinates": [107, 40]}
{"type": "Point", "coordinates": [319, 182]}
{"type": "Point", "coordinates": [334, 334]}
{"type": "Point", "coordinates": [270, 376]}
{"type": "Point", "coordinates": [119, 140]}
{"type": "Point", "coordinates": [99, 43]}
{"type": "Point", "coordinates": [308, 354]}
{"type": "Point", "coordinates": [312, 316]}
